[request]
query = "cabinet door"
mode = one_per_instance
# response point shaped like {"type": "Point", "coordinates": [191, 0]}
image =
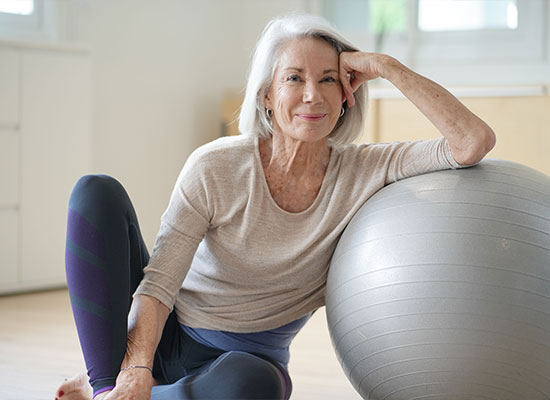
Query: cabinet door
{"type": "Point", "coordinates": [56, 151]}
{"type": "Point", "coordinates": [9, 169]}
{"type": "Point", "coordinates": [9, 88]}
{"type": "Point", "coordinates": [8, 248]}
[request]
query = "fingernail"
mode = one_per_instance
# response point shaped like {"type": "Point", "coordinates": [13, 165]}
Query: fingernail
{"type": "Point", "coordinates": [61, 393]}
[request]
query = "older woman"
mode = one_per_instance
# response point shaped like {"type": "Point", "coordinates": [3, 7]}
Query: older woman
{"type": "Point", "coordinates": [241, 259]}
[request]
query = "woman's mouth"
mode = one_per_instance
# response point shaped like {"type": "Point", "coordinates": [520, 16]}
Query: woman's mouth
{"type": "Point", "coordinates": [311, 117]}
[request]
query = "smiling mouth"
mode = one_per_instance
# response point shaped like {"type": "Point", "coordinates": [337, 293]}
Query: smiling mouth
{"type": "Point", "coordinates": [311, 117]}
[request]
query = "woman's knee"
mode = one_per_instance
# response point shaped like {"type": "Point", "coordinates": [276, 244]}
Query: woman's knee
{"type": "Point", "coordinates": [251, 377]}
{"type": "Point", "coordinates": [97, 191]}
{"type": "Point", "coordinates": [97, 184]}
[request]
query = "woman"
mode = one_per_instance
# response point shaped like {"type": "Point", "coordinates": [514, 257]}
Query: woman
{"type": "Point", "coordinates": [250, 228]}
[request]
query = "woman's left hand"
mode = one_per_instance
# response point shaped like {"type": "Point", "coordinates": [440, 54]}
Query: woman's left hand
{"type": "Point", "coordinates": [358, 67]}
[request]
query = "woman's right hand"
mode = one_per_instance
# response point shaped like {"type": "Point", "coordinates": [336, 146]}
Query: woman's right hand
{"type": "Point", "coordinates": [358, 67]}
{"type": "Point", "coordinates": [146, 321]}
{"type": "Point", "coordinates": [132, 384]}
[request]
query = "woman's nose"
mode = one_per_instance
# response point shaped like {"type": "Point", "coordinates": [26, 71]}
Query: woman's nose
{"type": "Point", "coordinates": [312, 93]}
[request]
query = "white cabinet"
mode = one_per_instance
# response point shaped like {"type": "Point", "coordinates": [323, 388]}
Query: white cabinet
{"type": "Point", "coordinates": [45, 145]}
{"type": "Point", "coordinates": [9, 168]}
{"type": "Point", "coordinates": [9, 87]}
{"type": "Point", "coordinates": [8, 248]}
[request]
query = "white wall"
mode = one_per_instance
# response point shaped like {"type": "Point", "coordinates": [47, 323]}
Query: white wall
{"type": "Point", "coordinates": [160, 69]}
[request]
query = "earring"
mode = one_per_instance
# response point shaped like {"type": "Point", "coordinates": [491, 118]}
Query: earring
{"type": "Point", "coordinates": [342, 112]}
{"type": "Point", "coordinates": [269, 112]}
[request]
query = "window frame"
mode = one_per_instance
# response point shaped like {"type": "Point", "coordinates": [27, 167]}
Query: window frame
{"type": "Point", "coordinates": [483, 45]}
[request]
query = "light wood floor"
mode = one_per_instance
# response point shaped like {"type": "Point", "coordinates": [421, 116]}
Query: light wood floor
{"type": "Point", "coordinates": [39, 348]}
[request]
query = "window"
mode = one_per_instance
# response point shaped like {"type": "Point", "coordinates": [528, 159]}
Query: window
{"type": "Point", "coordinates": [21, 19]}
{"type": "Point", "coordinates": [375, 16]}
{"type": "Point", "coordinates": [369, 23]}
{"type": "Point", "coordinates": [458, 42]}
{"type": "Point", "coordinates": [37, 20]}
{"type": "Point", "coordinates": [451, 15]}
{"type": "Point", "coordinates": [21, 7]}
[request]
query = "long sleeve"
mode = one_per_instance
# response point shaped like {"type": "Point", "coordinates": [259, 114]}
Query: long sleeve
{"type": "Point", "coordinates": [401, 160]}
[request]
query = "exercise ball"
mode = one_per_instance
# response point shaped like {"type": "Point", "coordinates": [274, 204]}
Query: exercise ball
{"type": "Point", "coordinates": [439, 287]}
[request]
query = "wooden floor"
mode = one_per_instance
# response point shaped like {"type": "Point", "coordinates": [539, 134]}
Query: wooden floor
{"type": "Point", "coordinates": [39, 348]}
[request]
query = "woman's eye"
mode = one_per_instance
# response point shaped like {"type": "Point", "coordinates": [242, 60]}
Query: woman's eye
{"type": "Point", "coordinates": [293, 78]}
{"type": "Point", "coordinates": [329, 79]}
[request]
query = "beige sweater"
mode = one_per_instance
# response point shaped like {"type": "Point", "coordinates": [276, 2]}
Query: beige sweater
{"type": "Point", "coordinates": [246, 264]}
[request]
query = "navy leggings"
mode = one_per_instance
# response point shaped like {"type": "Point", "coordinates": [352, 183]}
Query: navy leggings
{"type": "Point", "coordinates": [105, 257]}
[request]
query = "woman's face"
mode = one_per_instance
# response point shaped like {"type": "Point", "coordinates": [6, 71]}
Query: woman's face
{"type": "Point", "coordinates": [306, 95]}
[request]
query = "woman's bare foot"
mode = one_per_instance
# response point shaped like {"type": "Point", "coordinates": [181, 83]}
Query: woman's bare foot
{"type": "Point", "coordinates": [76, 388]}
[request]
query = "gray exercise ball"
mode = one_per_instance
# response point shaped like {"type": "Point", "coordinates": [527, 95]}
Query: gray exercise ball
{"type": "Point", "coordinates": [439, 287]}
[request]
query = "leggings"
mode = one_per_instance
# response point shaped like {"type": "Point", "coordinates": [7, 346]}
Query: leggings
{"type": "Point", "coordinates": [104, 259]}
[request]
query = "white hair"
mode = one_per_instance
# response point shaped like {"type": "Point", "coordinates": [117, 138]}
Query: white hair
{"type": "Point", "coordinates": [253, 119]}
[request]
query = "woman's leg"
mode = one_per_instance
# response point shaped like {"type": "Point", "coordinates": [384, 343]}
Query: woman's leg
{"type": "Point", "coordinates": [233, 375]}
{"type": "Point", "coordinates": [105, 257]}
{"type": "Point", "coordinates": [210, 373]}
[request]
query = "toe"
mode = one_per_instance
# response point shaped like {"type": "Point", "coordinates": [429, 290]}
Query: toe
{"type": "Point", "coordinates": [76, 388]}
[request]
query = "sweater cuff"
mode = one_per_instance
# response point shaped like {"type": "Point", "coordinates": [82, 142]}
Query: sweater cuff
{"type": "Point", "coordinates": [157, 292]}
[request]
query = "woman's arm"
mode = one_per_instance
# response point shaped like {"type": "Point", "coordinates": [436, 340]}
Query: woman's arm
{"type": "Point", "coordinates": [145, 324]}
{"type": "Point", "coordinates": [470, 139]}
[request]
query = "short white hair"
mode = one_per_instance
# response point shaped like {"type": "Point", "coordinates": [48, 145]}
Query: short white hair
{"type": "Point", "coordinates": [253, 119]}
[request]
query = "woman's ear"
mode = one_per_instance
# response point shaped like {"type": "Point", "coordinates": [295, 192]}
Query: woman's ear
{"type": "Point", "coordinates": [267, 100]}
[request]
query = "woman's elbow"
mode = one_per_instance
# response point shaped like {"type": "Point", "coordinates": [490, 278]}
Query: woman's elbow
{"type": "Point", "coordinates": [491, 140]}
{"type": "Point", "coordinates": [483, 142]}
